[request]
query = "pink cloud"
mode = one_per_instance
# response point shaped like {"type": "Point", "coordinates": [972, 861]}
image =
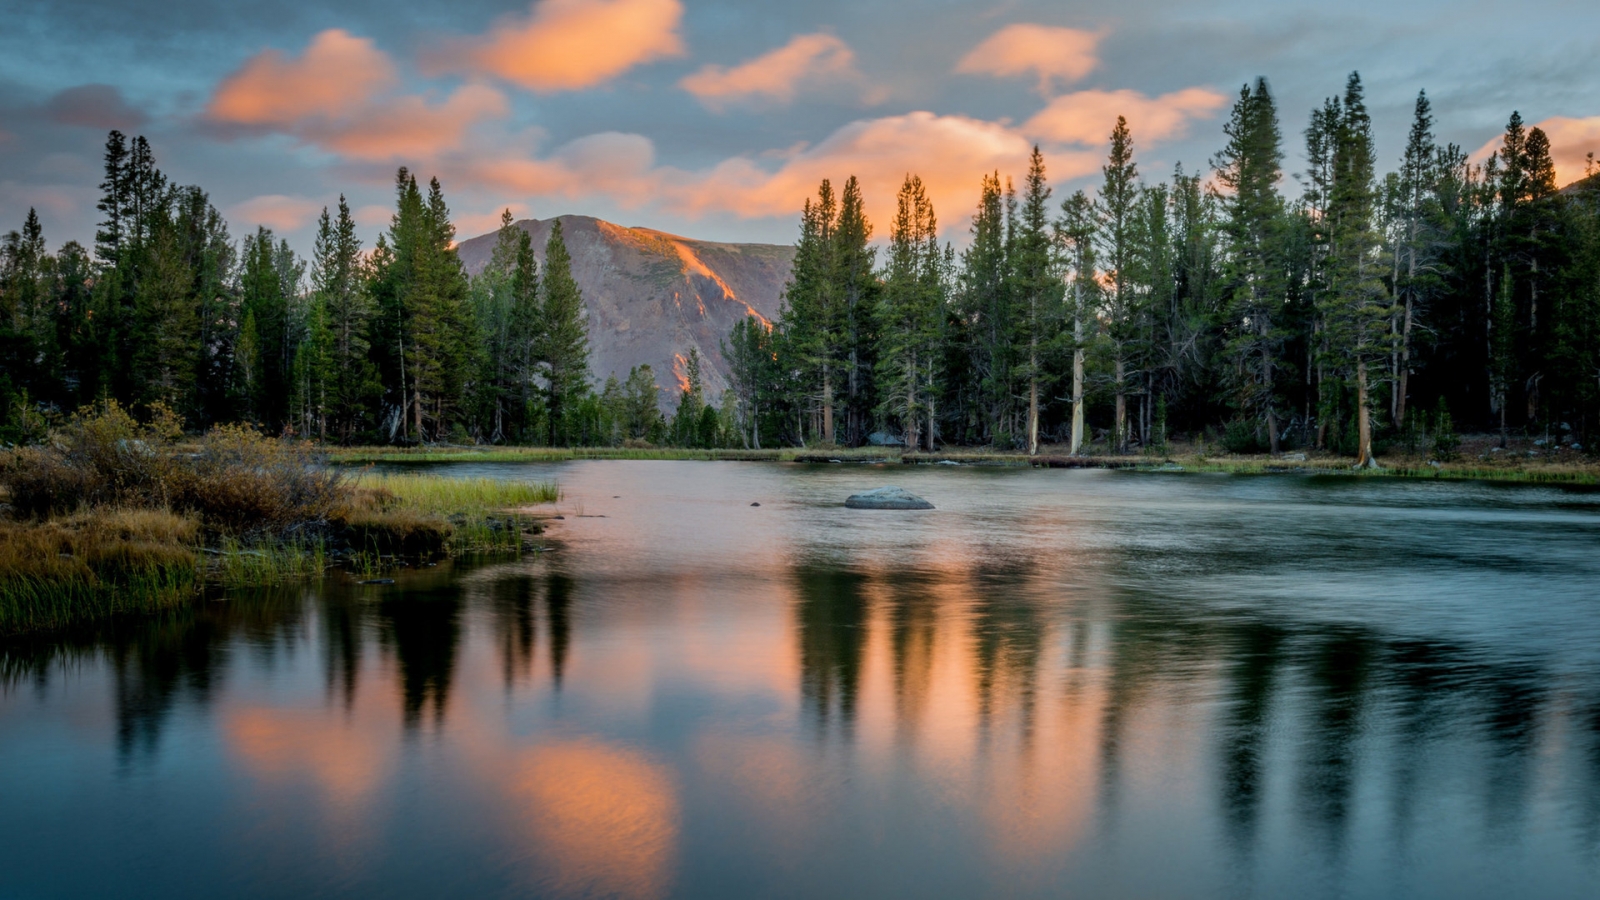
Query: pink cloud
{"type": "Point", "coordinates": [276, 211]}
{"type": "Point", "coordinates": [564, 45]}
{"type": "Point", "coordinates": [775, 75]}
{"type": "Point", "coordinates": [1571, 140]}
{"type": "Point", "coordinates": [950, 153]}
{"type": "Point", "coordinates": [335, 76]}
{"type": "Point", "coordinates": [407, 127]}
{"type": "Point", "coordinates": [1051, 54]}
{"type": "Point", "coordinates": [335, 97]}
{"type": "Point", "coordinates": [1087, 117]}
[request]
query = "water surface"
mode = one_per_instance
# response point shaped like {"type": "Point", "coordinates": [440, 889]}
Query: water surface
{"type": "Point", "coordinates": [1058, 683]}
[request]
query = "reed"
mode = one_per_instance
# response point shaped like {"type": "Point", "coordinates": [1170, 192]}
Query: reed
{"type": "Point", "coordinates": [95, 564]}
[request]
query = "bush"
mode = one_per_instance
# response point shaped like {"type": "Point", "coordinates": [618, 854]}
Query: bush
{"type": "Point", "coordinates": [1446, 443]}
{"type": "Point", "coordinates": [238, 483]}
{"type": "Point", "coordinates": [1243, 437]}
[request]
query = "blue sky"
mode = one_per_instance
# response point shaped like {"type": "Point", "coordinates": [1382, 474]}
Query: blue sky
{"type": "Point", "coordinates": [714, 118]}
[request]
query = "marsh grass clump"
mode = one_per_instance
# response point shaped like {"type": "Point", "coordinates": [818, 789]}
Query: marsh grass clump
{"type": "Point", "coordinates": [113, 515]}
{"type": "Point", "coordinates": [93, 564]}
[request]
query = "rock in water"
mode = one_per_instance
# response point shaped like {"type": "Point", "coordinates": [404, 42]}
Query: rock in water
{"type": "Point", "coordinates": [887, 498]}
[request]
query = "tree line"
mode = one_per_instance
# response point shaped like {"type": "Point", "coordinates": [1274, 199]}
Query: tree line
{"type": "Point", "coordinates": [1372, 308]}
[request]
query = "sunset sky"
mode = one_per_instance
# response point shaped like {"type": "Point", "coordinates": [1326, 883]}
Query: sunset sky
{"type": "Point", "coordinates": [715, 118]}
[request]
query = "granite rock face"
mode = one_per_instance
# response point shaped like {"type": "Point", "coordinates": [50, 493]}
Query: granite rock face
{"type": "Point", "coordinates": [887, 498]}
{"type": "Point", "coordinates": [650, 296]}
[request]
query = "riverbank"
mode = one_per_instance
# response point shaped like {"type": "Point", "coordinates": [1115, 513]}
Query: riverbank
{"type": "Point", "coordinates": [114, 517]}
{"type": "Point", "coordinates": [1480, 458]}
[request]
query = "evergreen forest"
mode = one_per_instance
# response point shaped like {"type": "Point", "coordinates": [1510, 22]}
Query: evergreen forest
{"type": "Point", "coordinates": [1341, 303]}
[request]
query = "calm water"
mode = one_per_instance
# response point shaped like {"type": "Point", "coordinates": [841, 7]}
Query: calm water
{"type": "Point", "coordinates": [1057, 684]}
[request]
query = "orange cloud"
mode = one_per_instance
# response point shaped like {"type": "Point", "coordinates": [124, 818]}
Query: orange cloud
{"type": "Point", "coordinates": [1571, 141]}
{"type": "Point", "coordinates": [1087, 117]}
{"type": "Point", "coordinates": [334, 97]}
{"type": "Point", "coordinates": [1066, 54]}
{"type": "Point", "coordinates": [949, 153]}
{"type": "Point", "coordinates": [565, 45]}
{"type": "Point", "coordinates": [335, 76]}
{"type": "Point", "coordinates": [275, 211]}
{"type": "Point", "coordinates": [408, 127]}
{"type": "Point", "coordinates": [775, 75]}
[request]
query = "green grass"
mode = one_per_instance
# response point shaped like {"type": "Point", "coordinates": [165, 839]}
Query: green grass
{"type": "Point", "coordinates": [237, 565]}
{"type": "Point", "coordinates": [31, 603]}
{"type": "Point", "coordinates": [459, 496]}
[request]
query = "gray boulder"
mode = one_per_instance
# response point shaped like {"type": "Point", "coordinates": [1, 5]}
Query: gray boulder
{"type": "Point", "coordinates": [887, 498]}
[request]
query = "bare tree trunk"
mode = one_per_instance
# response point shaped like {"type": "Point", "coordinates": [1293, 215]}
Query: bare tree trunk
{"type": "Point", "coordinates": [1364, 458]}
{"type": "Point", "coordinates": [827, 405]}
{"type": "Point", "coordinates": [1120, 441]}
{"type": "Point", "coordinates": [1077, 380]}
{"type": "Point", "coordinates": [1402, 394]}
{"type": "Point", "coordinates": [1272, 406]}
{"type": "Point", "coordinates": [1033, 395]}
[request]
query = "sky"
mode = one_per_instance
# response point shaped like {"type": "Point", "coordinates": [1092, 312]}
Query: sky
{"type": "Point", "coordinates": [716, 119]}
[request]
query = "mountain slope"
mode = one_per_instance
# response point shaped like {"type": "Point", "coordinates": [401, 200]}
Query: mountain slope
{"type": "Point", "coordinates": [651, 296]}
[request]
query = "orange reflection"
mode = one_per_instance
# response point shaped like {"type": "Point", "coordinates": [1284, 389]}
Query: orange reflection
{"type": "Point", "coordinates": [604, 819]}
{"type": "Point", "coordinates": [343, 759]}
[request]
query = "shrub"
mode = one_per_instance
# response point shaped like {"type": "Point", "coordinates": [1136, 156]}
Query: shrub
{"type": "Point", "coordinates": [239, 482]}
{"type": "Point", "coordinates": [1243, 437]}
{"type": "Point", "coordinates": [1446, 443]}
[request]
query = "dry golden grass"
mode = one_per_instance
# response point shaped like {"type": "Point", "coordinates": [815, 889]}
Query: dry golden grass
{"type": "Point", "coordinates": [95, 563]}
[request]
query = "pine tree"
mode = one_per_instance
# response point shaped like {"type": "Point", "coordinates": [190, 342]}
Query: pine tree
{"type": "Point", "coordinates": [563, 353]}
{"type": "Point", "coordinates": [1036, 290]}
{"type": "Point", "coordinates": [1248, 171]}
{"type": "Point", "coordinates": [813, 316]}
{"type": "Point", "coordinates": [1356, 308]}
{"type": "Point", "coordinates": [1417, 225]}
{"type": "Point", "coordinates": [986, 306]}
{"type": "Point", "coordinates": [910, 318]}
{"type": "Point", "coordinates": [338, 278]}
{"type": "Point", "coordinates": [749, 354]}
{"type": "Point", "coordinates": [1075, 233]}
{"type": "Point", "coordinates": [1117, 209]}
{"type": "Point", "coordinates": [853, 259]}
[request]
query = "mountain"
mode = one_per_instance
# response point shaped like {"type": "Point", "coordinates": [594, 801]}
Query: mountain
{"type": "Point", "coordinates": [651, 296]}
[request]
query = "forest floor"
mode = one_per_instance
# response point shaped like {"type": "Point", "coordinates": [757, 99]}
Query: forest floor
{"type": "Point", "coordinates": [1479, 458]}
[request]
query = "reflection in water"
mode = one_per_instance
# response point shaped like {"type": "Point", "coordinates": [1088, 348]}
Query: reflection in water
{"type": "Point", "coordinates": [831, 621]}
{"type": "Point", "coordinates": [422, 629]}
{"type": "Point", "coordinates": [936, 707]}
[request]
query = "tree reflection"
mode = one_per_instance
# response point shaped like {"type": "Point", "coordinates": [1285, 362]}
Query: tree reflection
{"type": "Point", "coordinates": [423, 629]}
{"type": "Point", "coordinates": [832, 623]}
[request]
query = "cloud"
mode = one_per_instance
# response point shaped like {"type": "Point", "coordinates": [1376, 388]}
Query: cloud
{"type": "Point", "coordinates": [407, 127]}
{"type": "Point", "coordinates": [775, 75]}
{"type": "Point", "coordinates": [1571, 140]}
{"type": "Point", "coordinates": [1066, 54]}
{"type": "Point", "coordinates": [276, 211]}
{"type": "Point", "coordinates": [950, 153]}
{"type": "Point", "coordinates": [336, 76]}
{"type": "Point", "coordinates": [336, 96]}
{"type": "Point", "coordinates": [97, 106]}
{"type": "Point", "coordinates": [1087, 117]}
{"type": "Point", "coordinates": [565, 45]}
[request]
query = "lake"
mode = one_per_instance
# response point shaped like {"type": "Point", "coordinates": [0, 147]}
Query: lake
{"type": "Point", "coordinates": [1058, 683]}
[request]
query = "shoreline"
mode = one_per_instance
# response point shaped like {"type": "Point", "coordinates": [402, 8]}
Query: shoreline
{"type": "Point", "coordinates": [1511, 466]}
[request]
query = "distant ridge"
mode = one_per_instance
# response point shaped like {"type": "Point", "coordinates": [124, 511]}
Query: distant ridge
{"type": "Point", "coordinates": [651, 296]}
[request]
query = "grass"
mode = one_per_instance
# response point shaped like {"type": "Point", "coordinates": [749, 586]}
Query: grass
{"type": "Point", "coordinates": [91, 565]}
{"type": "Point", "coordinates": [112, 517]}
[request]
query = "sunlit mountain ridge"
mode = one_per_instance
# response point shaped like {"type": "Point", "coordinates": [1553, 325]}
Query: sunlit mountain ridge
{"type": "Point", "coordinates": [651, 297]}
